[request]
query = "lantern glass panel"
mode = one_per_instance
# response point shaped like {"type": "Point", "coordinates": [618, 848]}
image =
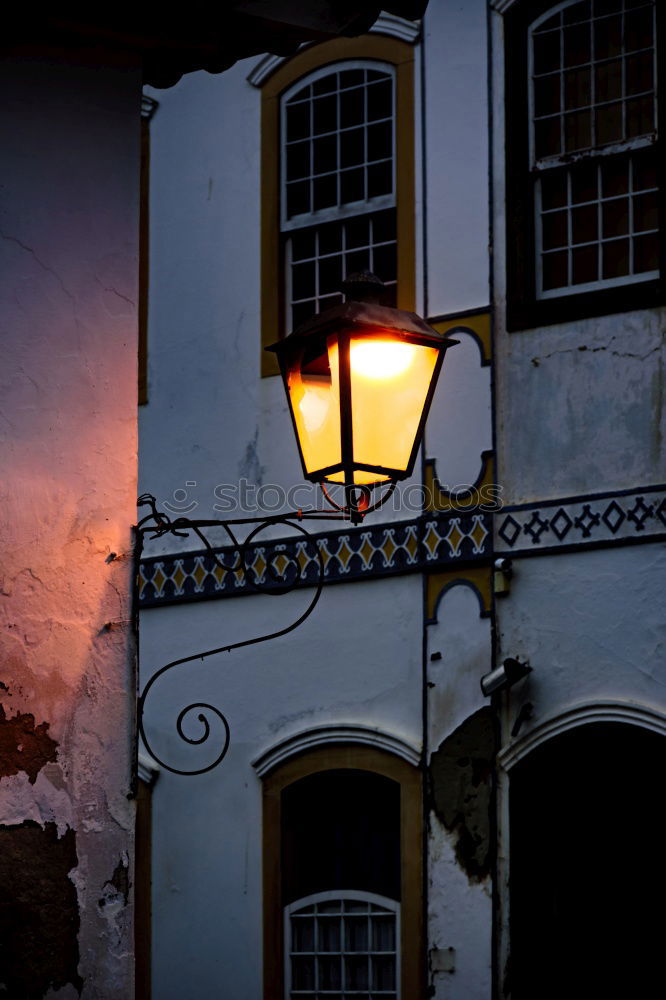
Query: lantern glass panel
{"type": "Point", "coordinates": [390, 379]}
{"type": "Point", "coordinates": [314, 388]}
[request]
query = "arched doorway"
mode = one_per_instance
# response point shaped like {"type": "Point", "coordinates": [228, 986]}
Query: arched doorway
{"type": "Point", "coordinates": [587, 880]}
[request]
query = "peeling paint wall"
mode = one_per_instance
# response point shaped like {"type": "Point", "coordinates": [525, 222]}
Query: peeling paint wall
{"type": "Point", "coordinates": [579, 411]}
{"type": "Point", "coordinates": [68, 383]}
{"type": "Point", "coordinates": [461, 742]}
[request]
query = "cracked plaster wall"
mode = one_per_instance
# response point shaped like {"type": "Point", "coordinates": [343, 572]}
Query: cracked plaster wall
{"type": "Point", "coordinates": [579, 406]}
{"type": "Point", "coordinates": [69, 247]}
{"type": "Point", "coordinates": [459, 760]}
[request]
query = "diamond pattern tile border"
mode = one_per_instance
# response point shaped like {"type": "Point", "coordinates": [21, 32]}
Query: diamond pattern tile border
{"type": "Point", "coordinates": [429, 542]}
{"type": "Point", "coordinates": [582, 522]}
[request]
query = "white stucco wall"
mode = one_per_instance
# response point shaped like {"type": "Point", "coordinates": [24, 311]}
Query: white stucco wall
{"type": "Point", "coordinates": [456, 135]}
{"type": "Point", "coordinates": [459, 907]}
{"type": "Point", "coordinates": [212, 420]}
{"type": "Point", "coordinates": [357, 660]}
{"type": "Point", "coordinates": [69, 332]}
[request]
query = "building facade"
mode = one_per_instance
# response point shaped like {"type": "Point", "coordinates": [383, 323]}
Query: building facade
{"type": "Point", "coordinates": [380, 824]}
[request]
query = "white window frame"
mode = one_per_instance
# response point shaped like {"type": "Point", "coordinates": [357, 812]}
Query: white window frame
{"type": "Point", "coordinates": [335, 212]}
{"type": "Point", "coordinates": [334, 896]}
{"type": "Point", "coordinates": [564, 160]}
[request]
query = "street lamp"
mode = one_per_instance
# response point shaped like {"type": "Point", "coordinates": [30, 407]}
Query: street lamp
{"type": "Point", "coordinates": [359, 379]}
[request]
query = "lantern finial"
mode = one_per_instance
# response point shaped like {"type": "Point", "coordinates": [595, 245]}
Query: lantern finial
{"type": "Point", "coordinates": [363, 286]}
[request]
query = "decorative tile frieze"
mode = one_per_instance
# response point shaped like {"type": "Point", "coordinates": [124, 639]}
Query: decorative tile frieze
{"type": "Point", "coordinates": [435, 542]}
{"type": "Point", "coordinates": [429, 542]}
{"type": "Point", "coordinates": [582, 522]}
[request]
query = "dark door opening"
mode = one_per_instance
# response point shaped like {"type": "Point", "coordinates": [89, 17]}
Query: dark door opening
{"type": "Point", "coordinates": [588, 867]}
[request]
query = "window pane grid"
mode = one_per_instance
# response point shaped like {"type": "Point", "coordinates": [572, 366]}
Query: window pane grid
{"type": "Point", "coordinates": [601, 227]}
{"type": "Point", "coordinates": [321, 257]}
{"type": "Point", "coordinates": [364, 963]}
{"type": "Point", "coordinates": [338, 147]}
{"type": "Point", "coordinates": [593, 78]}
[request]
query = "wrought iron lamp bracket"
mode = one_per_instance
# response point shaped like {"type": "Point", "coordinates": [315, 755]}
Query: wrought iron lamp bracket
{"type": "Point", "coordinates": [157, 524]}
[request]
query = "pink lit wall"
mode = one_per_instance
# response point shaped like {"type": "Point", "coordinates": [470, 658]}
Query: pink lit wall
{"type": "Point", "coordinates": [68, 432]}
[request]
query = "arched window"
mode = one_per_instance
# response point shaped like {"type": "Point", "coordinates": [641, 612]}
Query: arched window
{"type": "Point", "coordinates": [342, 876]}
{"type": "Point", "coordinates": [582, 159]}
{"type": "Point", "coordinates": [338, 183]}
{"type": "Point", "coordinates": [337, 178]}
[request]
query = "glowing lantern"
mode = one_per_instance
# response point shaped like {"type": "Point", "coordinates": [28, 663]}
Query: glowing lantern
{"type": "Point", "coordinates": [360, 378]}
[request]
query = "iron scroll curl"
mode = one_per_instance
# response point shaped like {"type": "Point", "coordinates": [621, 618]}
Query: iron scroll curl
{"type": "Point", "coordinates": [155, 525]}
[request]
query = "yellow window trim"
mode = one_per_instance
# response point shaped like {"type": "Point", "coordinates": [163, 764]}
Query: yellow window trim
{"type": "Point", "coordinates": [379, 47]}
{"type": "Point", "coordinates": [361, 758]}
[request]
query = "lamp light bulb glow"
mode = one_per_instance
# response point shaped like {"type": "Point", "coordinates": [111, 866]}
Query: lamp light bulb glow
{"type": "Point", "coordinates": [381, 359]}
{"type": "Point", "coordinates": [314, 406]}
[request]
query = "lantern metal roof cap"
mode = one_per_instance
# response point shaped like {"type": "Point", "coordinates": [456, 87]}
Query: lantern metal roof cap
{"type": "Point", "coordinates": [359, 315]}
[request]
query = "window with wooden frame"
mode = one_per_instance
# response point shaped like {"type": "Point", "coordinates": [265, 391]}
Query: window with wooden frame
{"type": "Point", "coordinates": [337, 178]}
{"type": "Point", "coordinates": [584, 209]}
{"type": "Point", "coordinates": [342, 876]}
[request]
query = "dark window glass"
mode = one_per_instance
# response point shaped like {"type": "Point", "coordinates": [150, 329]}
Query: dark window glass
{"type": "Point", "coordinates": [380, 179]}
{"type": "Point", "coordinates": [303, 280]}
{"type": "Point", "coordinates": [584, 183]}
{"type": "Point", "coordinates": [615, 217]}
{"type": "Point", "coordinates": [577, 48]}
{"type": "Point", "coordinates": [577, 88]}
{"type": "Point", "coordinates": [547, 137]}
{"type": "Point", "coordinates": [298, 198]}
{"type": "Point", "coordinates": [302, 245]}
{"type": "Point", "coordinates": [298, 121]}
{"type": "Point", "coordinates": [298, 160]}
{"type": "Point", "coordinates": [380, 141]}
{"type": "Point", "coordinates": [646, 214]}
{"type": "Point", "coordinates": [547, 52]}
{"type": "Point", "coordinates": [380, 100]}
{"type": "Point", "coordinates": [584, 224]}
{"type": "Point", "coordinates": [352, 110]}
{"type": "Point", "coordinates": [352, 186]}
{"type": "Point", "coordinates": [555, 269]}
{"type": "Point", "coordinates": [638, 29]}
{"type": "Point", "coordinates": [358, 260]}
{"type": "Point", "coordinates": [646, 253]}
{"type": "Point", "coordinates": [614, 177]}
{"type": "Point", "coordinates": [301, 312]}
{"type": "Point", "coordinates": [384, 262]}
{"type": "Point", "coordinates": [609, 123]}
{"type": "Point", "coordinates": [325, 192]}
{"type": "Point", "coordinates": [325, 154]}
{"type": "Point", "coordinates": [324, 115]}
{"type": "Point", "coordinates": [645, 169]}
{"type": "Point", "coordinates": [330, 275]}
{"type": "Point", "coordinates": [584, 265]}
{"type": "Point", "coordinates": [553, 189]}
{"type": "Point", "coordinates": [330, 238]}
{"type": "Point", "coordinates": [577, 131]}
{"type": "Point", "coordinates": [326, 84]}
{"type": "Point", "coordinates": [640, 116]}
{"type": "Point", "coordinates": [608, 37]}
{"type": "Point", "coordinates": [608, 80]}
{"type": "Point", "coordinates": [352, 78]}
{"type": "Point", "coordinates": [358, 232]}
{"type": "Point", "coordinates": [555, 230]}
{"type": "Point", "coordinates": [639, 70]}
{"type": "Point", "coordinates": [547, 95]}
{"type": "Point", "coordinates": [352, 148]}
{"type": "Point", "coordinates": [576, 12]}
{"type": "Point", "coordinates": [383, 226]}
{"type": "Point", "coordinates": [616, 258]}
